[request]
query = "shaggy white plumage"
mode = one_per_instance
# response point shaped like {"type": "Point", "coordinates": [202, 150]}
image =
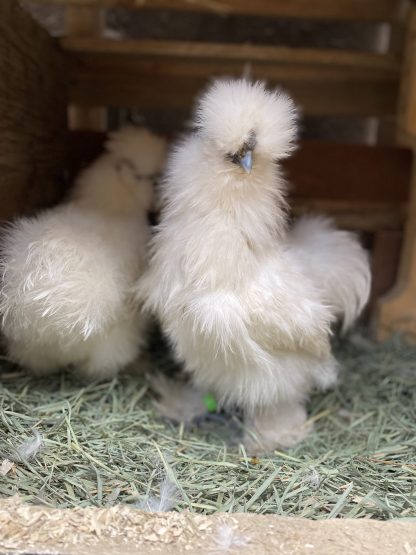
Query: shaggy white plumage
{"type": "Point", "coordinates": [247, 304]}
{"type": "Point", "coordinates": [67, 273]}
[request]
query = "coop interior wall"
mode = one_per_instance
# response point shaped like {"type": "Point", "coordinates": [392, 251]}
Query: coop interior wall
{"type": "Point", "coordinates": [170, 25]}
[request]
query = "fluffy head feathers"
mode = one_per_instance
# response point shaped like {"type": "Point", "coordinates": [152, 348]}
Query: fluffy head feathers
{"type": "Point", "coordinates": [121, 181]}
{"type": "Point", "coordinates": [127, 142]}
{"type": "Point", "coordinates": [237, 115]}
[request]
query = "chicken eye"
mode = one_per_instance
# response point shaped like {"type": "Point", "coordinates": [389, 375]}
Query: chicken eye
{"type": "Point", "coordinates": [234, 158]}
{"type": "Point", "coordinates": [249, 145]}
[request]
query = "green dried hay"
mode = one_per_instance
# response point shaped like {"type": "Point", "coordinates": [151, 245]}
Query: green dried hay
{"type": "Point", "coordinates": [103, 445]}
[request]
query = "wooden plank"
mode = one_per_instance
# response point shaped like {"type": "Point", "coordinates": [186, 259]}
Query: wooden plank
{"type": "Point", "coordinates": [316, 98]}
{"type": "Point", "coordinates": [86, 22]}
{"type": "Point", "coordinates": [357, 216]}
{"type": "Point", "coordinates": [40, 529]}
{"type": "Point", "coordinates": [350, 172]}
{"type": "Point", "coordinates": [152, 74]}
{"type": "Point", "coordinates": [32, 113]}
{"type": "Point", "coordinates": [362, 187]}
{"type": "Point", "coordinates": [387, 64]}
{"type": "Point", "coordinates": [406, 121]}
{"type": "Point", "coordinates": [352, 10]}
{"type": "Point", "coordinates": [385, 256]}
{"type": "Point", "coordinates": [397, 311]}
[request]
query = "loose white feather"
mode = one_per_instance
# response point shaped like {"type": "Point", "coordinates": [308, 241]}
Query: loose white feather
{"type": "Point", "coordinates": [112, 497]}
{"type": "Point", "coordinates": [28, 449]}
{"type": "Point", "coordinates": [313, 479]}
{"type": "Point", "coordinates": [228, 539]}
{"type": "Point", "coordinates": [166, 501]}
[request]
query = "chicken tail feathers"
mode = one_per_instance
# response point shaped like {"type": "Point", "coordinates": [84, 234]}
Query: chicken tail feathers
{"type": "Point", "coordinates": [336, 262]}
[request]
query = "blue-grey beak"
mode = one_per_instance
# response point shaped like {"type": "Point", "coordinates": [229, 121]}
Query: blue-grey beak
{"type": "Point", "coordinates": [246, 161]}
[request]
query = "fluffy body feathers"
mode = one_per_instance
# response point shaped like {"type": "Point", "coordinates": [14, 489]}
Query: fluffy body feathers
{"type": "Point", "coordinates": [67, 273]}
{"type": "Point", "coordinates": [247, 304]}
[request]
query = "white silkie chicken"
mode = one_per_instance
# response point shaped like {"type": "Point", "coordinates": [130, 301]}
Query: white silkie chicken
{"type": "Point", "coordinates": [67, 274]}
{"type": "Point", "coordinates": [247, 304]}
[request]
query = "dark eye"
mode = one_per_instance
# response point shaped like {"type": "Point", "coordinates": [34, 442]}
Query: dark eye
{"type": "Point", "coordinates": [249, 144]}
{"type": "Point", "coordinates": [234, 158]}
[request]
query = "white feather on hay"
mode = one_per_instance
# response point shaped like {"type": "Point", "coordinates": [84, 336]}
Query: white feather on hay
{"type": "Point", "coordinates": [28, 449]}
{"type": "Point", "coordinates": [166, 501]}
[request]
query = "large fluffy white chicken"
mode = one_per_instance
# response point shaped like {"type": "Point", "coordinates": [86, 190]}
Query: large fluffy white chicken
{"type": "Point", "coordinates": [67, 274]}
{"type": "Point", "coordinates": [248, 305]}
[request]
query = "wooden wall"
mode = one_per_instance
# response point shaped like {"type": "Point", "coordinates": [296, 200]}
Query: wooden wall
{"type": "Point", "coordinates": [352, 10]}
{"type": "Point", "coordinates": [33, 100]}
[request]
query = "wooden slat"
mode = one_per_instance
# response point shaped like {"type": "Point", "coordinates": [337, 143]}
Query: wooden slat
{"type": "Point", "coordinates": [406, 128]}
{"type": "Point", "coordinates": [398, 310]}
{"type": "Point", "coordinates": [385, 258]}
{"type": "Point", "coordinates": [357, 215]}
{"type": "Point", "coordinates": [350, 172]}
{"type": "Point", "coordinates": [86, 22]}
{"type": "Point", "coordinates": [152, 74]}
{"type": "Point", "coordinates": [214, 51]}
{"type": "Point", "coordinates": [32, 113]}
{"type": "Point", "coordinates": [361, 187]}
{"type": "Point", "coordinates": [353, 10]}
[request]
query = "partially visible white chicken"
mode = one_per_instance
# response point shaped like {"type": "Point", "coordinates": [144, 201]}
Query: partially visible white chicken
{"type": "Point", "coordinates": [67, 273]}
{"type": "Point", "coordinates": [248, 305]}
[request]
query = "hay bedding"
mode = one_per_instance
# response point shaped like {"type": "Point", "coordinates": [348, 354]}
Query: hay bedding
{"type": "Point", "coordinates": [102, 445]}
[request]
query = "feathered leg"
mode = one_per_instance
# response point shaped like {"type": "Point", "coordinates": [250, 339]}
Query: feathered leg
{"type": "Point", "coordinates": [282, 425]}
